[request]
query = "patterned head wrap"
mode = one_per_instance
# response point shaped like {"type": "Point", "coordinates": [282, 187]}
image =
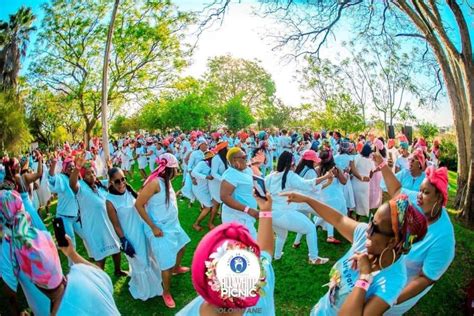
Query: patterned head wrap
{"type": "Point", "coordinates": [210, 250]}
{"type": "Point", "coordinates": [165, 160]}
{"type": "Point", "coordinates": [32, 251]}
{"type": "Point", "coordinates": [408, 225]}
{"type": "Point", "coordinates": [439, 179]}
{"type": "Point", "coordinates": [90, 164]}
{"type": "Point", "coordinates": [345, 147]}
{"type": "Point", "coordinates": [66, 162]}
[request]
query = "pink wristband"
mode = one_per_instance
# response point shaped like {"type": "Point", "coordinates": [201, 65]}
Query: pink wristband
{"type": "Point", "coordinates": [246, 209]}
{"type": "Point", "coordinates": [362, 284]}
{"type": "Point", "coordinates": [265, 214]}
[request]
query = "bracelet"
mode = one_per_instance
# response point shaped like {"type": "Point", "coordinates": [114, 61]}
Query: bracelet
{"type": "Point", "coordinates": [265, 214]}
{"type": "Point", "coordinates": [362, 284]}
{"type": "Point", "coordinates": [246, 209]}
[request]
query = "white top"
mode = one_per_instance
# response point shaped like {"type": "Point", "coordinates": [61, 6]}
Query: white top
{"type": "Point", "coordinates": [67, 204]}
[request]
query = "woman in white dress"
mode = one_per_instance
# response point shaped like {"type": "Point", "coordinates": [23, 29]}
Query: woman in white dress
{"type": "Point", "coordinates": [219, 165]}
{"type": "Point", "coordinates": [156, 204]}
{"type": "Point", "coordinates": [286, 217]}
{"type": "Point", "coordinates": [142, 160]}
{"type": "Point", "coordinates": [333, 195]}
{"type": "Point", "coordinates": [145, 276]}
{"type": "Point", "coordinates": [202, 173]}
{"type": "Point", "coordinates": [98, 233]}
{"type": "Point", "coordinates": [360, 182]}
{"type": "Point", "coordinates": [344, 161]}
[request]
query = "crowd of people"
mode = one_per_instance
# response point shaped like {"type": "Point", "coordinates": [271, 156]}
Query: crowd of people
{"type": "Point", "coordinates": [399, 248]}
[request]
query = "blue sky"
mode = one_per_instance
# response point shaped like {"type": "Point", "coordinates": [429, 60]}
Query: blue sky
{"type": "Point", "coordinates": [241, 35]}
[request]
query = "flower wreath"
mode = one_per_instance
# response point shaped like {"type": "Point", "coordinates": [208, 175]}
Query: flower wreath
{"type": "Point", "coordinates": [214, 258]}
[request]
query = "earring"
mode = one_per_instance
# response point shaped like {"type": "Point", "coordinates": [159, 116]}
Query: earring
{"type": "Point", "coordinates": [432, 209]}
{"type": "Point", "coordinates": [381, 255]}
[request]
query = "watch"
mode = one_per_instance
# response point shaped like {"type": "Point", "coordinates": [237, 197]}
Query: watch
{"type": "Point", "coordinates": [366, 277]}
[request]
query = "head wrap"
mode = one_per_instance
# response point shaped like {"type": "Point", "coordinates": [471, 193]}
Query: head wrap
{"type": "Point", "coordinates": [66, 162]}
{"type": "Point", "coordinates": [311, 155]}
{"type": "Point", "coordinates": [232, 152]}
{"type": "Point", "coordinates": [315, 145]}
{"type": "Point", "coordinates": [420, 156]}
{"type": "Point", "coordinates": [390, 143]}
{"type": "Point", "coordinates": [220, 145]}
{"type": "Point", "coordinates": [261, 135]}
{"type": "Point", "coordinates": [404, 145]}
{"type": "Point", "coordinates": [439, 179]}
{"type": "Point", "coordinates": [164, 161]}
{"type": "Point", "coordinates": [209, 251]}
{"type": "Point", "coordinates": [199, 142]}
{"type": "Point", "coordinates": [208, 155]}
{"type": "Point", "coordinates": [408, 225]}
{"type": "Point", "coordinates": [378, 144]}
{"type": "Point", "coordinates": [421, 143]}
{"type": "Point", "coordinates": [345, 147]}
{"type": "Point", "coordinates": [90, 164]}
{"type": "Point", "coordinates": [33, 251]}
{"type": "Point", "coordinates": [402, 138]}
{"type": "Point", "coordinates": [216, 135]}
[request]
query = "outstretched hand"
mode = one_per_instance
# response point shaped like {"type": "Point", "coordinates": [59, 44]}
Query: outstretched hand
{"type": "Point", "coordinates": [294, 197]}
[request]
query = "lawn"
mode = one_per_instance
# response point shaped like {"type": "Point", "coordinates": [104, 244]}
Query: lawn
{"type": "Point", "coordinates": [298, 285]}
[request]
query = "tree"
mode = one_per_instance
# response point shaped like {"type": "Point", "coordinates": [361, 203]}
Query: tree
{"type": "Point", "coordinates": [309, 24]}
{"type": "Point", "coordinates": [105, 81]}
{"type": "Point", "coordinates": [146, 53]}
{"type": "Point", "coordinates": [234, 77]}
{"type": "Point", "coordinates": [428, 130]}
{"type": "Point", "coordinates": [236, 115]}
{"type": "Point", "coordinates": [14, 38]}
{"type": "Point", "coordinates": [14, 135]}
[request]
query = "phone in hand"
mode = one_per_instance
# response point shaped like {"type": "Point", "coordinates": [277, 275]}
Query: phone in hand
{"type": "Point", "coordinates": [259, 187]}
{"type": "Point", "coordinates": [60, 232]}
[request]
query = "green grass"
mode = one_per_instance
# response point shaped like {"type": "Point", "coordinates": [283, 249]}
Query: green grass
{"type": "Point", "coordinates": [298, 285]}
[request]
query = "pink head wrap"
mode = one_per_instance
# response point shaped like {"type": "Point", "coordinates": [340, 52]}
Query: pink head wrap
{"type": "Point", "coordinates": [216, 242]}
{"type": "Point", "coordinates": [66, 162]}
{"type": "Point", "coordinates": [402, 138]}
{"type": "Point", "coordinates": [88, 165]}
{"type": "Point", "coordinates": [421, 143]}
{"type": "Point", "coordinates": [378, 144]}
{"type": "Point", "coordinates": [163, 161]}
{"type": "Point", "coordinates": [391, 143]}
{"type": "Point", "coordinates": [439, 179]}
{"type": "Point", "coordinates": [418, 154]}
{"type": "Point", "coordinates": [311, 155]}
{"type": "Point", "coordinates": [216, 135]}
{"type": "Point", "coordinates": [33, 251]}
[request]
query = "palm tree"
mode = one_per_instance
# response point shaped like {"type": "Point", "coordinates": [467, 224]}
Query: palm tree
{"type": "Point", "coordinates": [14, 38]}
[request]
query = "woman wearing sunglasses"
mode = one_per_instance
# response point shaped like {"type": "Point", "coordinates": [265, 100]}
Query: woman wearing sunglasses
{"type": "Point", "coordinates": [239, 204]}
{"type": "Point", "coordinates": [368, 279]}
{"type": "Point", "coordinates": [145, 276]}
{"type": "Point", "coordinates": [430, 258]}
{"type": "Point", "coordinates": [156, 204]}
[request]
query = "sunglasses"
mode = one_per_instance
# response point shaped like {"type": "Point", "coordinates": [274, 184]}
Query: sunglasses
{"type": "Point", "coordinates": [242, 157]}
{"type": "Point", "coordinates": [118, 181]}
{"type": "Point", "coordinates": [375, 229]}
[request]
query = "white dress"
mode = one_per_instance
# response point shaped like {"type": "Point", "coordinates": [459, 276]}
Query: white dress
{"type": "Point", "coordinates": [201, 189]}
{"type": "Point", "coordinates": [89, 291]}
{"type": "Point", "coordinates": [342, 162]}
{"type": "Point", "coordinates": [98, 232]}
{"type": "Point", "coordinates": [217, 170]}
{"type": "Point", "coordinates": [165, 217]}
{"type": "Point", "coordinates": [187, 190]}
{"type": "Point", "coordinates": [361, 189]}
{"type": "Point", "coordinates": [145, 278]}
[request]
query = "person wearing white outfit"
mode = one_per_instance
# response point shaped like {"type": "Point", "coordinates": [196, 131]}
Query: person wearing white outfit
{"type": "Point", "coordinates": [156, 204]}
{"type": "Point", "coordinates": [360, 182]}
{"type": "Point", "coordinates": [142, 160]}
{"type": "Point", "coordinates": [145, 275]}
{"type": "Point", "coordinates": [344, 161]}
{"type": "Point", "coordinates": [98, 233]}
{"type": "Point", "coordinates": [195, 157]}
{"type": "Point", "coordinates": [429, 259]}
{"type": "Point", "coordinates": [219, 165]}
{"type": "Point", "coordinates": [202, 173]}
{"type": "Point", "coordinates": [333, 195]}
{"type": "Point", "coordinates": [286, 217]}
{"type": "Point", "coordinates": [239, 204]}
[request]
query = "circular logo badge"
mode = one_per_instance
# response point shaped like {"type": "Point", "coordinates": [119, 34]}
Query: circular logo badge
{"type": "Point", "coordinates": [238, 264]}
{"type": "Point", "coordinates": [238, 272]}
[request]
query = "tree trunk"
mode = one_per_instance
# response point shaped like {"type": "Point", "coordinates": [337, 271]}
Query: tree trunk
{"type": "Point", "coordinates": [105, 83]}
